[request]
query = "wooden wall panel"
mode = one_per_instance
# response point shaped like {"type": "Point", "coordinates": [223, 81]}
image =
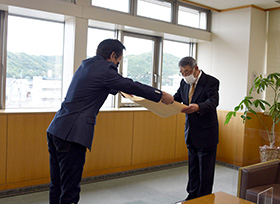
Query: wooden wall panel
{"type": "Point", "coordinates": [153, 137]}
{"type": "Point", "coordinates": [123, 141]}
{"type": "Point", "coordinates": [231, 142]}
{"type": "Point", "coordinates": [268, 122]}
{"type": "Point", "coordinates": [255, 136]}
{"type": "Point", "coordinates": [252, 140]}
{"type": "Point", "coordinates": [181, 150]}
{"type": "Point", "coordinates": [3, 144]}
{"type": "Point", "coordinates": [112, 143]}
{"type": "Point", "coordinates": [27, 152]}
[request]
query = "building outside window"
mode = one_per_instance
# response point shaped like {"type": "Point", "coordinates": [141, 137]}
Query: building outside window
{"type": "Point", "coordinates": [34, 63]}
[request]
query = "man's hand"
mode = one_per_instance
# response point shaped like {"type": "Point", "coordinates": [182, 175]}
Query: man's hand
{"type": "Point", "coordinates": [193, 107]}
{"type": "Point", "coordinates": [166, 98]}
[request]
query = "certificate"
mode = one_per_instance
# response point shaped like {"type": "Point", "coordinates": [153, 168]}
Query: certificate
{"type": "Point", "coordinates": [158, 108]}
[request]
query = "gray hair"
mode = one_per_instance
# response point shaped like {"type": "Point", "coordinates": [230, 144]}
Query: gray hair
{"type": "Point", "coordinates": [187, 61]}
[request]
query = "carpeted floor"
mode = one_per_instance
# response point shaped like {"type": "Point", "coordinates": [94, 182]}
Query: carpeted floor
{"type": "Point", "coordinates": [159, 187]}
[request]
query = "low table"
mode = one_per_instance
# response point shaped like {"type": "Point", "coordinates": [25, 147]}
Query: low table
{"type": "Point", "coordinates": [218, 198]}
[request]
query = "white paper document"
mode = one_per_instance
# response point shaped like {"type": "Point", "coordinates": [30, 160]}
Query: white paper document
{"type": "Point", "coordinates": [158, 108]}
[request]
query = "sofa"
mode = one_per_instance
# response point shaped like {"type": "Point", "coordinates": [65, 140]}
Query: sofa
{"type": "Point", "coordinates": [259, 177]}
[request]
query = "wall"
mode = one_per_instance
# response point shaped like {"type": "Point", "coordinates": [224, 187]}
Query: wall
{"type": "Point", "coordinates": [124, 140]}
{"type": "Point", "coordinates": [234, 54]}
{"type": "Point", "coordinates": [226, 57]}
{"type": "Point", "coordinates": [3, 152]}
{"type": "Point", "coordinates": [231, 143]}
{"type": "Point", "coordinates": [273, 45]}
{"type": "Point", "coordinates": [257, 48]}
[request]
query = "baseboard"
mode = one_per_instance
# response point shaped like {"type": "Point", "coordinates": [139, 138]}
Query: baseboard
{"type": "Point", "coordinates": [86, 180]}
{"type": "Point", "coordinates": [45, 187]}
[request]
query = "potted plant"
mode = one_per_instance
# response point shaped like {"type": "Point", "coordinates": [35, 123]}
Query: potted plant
{"type": "Point", "coordinates": [249, 104]}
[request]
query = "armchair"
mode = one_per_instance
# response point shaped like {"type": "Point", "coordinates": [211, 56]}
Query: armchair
{"type": "Point", "coordinates": [258, 177]}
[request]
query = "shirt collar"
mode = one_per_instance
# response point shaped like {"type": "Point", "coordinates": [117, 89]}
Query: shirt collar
{"type": "Point", "coordinates": [200, 72]}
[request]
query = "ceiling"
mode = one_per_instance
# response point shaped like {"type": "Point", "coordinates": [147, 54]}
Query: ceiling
{"type": "Point", "coordinates": [228, 4]}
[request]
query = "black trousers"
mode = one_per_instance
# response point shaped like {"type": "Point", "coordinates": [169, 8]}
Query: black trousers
{"type": "Point", "coordinates": [67, 160]}
{"type": "Point", "coordinates": [201, 171]}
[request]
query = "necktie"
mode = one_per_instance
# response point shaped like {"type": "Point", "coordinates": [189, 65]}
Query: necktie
{"type": "Point", "coordinates": [191, 92]}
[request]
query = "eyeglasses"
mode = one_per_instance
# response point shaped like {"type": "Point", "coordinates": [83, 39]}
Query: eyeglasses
{"type": "Point", "coordinates": [185, 73]}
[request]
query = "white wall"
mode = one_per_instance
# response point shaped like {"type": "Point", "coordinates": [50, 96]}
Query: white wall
{"type": "Point", "coordinates": [257, 48]}
{"type": "Point", "coordinates": [273, 46]}
{"type": "Point", "coordinates": [232, 55]}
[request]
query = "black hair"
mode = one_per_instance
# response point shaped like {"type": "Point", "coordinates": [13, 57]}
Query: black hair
{"type": "Point", "coordinates": [187, 61]}
{"type": "Point", "coordinates": [106, 47]}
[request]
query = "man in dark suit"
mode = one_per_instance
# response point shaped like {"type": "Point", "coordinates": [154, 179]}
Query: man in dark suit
{"type": "Point", "coordinates": [72, 129]}
{"type": "Point", "coordinates": [201, 93]}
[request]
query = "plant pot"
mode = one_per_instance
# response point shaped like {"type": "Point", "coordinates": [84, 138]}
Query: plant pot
{"type": "Point", "coordinates": [267, 153]}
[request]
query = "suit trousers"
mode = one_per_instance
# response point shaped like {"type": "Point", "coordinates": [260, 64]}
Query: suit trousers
{"type": "Point", "coordinates": [67, 160]}
{"type": "Point", "coordinates": [201, 171]}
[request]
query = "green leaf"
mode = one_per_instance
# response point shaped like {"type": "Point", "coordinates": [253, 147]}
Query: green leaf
{"type": "Point", "coordinates": [262, 106]}
{"type": "Point", "coordinates": [252, 111]}
{"type": "Point", "coordinates": [256, 103]}
{"type": "Point", "coordinates": [228, 117]}
{"type": "Point", "coordinates": [236, 108]}
{"type": "Point", "coordinates": [265, 102]}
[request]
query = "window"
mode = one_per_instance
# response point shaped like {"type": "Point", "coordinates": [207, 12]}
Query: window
{"type": "Point", "coordinates": [175, 12]}
{"type": "Point", "coordinates": [147, 8]}
{"type": "Point", "coordinates": [119, 5]}
{"type": "Point", "coordinates": [172, 53]}
{"type": "Point", "coordinates": [95, 36]}
{"type": "Point", "coordinates": [192, 17]}
{"type": "Point", "coordinates": [34, 63]}
{"type": "Point", "coordinates": [138, 60]}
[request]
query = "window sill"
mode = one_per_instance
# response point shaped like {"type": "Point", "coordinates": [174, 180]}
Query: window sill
{"type": "Point", "coordinates": [8, 111]}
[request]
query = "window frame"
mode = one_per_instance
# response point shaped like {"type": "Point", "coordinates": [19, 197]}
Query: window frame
{"type": "Point", "coordinates": [155, 63]}
{"type": "Point", "coordinates": [172, 6]}
{"type": "Point", "coordinates": [192, 53]}
{"type": "Point", "coordinates": [200, 9]}
{"type": "Point", "coordinates": [3, 56]}
{"type": "Point", "coordinates": [52, 18]}
{"type": "Point", "coordinates": [133, 4]}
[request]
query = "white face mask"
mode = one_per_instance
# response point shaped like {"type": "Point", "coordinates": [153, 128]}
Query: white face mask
{"type": "Point", "coordinates": [190, 79]}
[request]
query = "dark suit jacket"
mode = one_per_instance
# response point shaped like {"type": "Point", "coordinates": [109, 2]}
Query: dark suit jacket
{"type": "Point", "coordinates": [201, 128]}
{"type": "Point", "coordinates": [90, 86]}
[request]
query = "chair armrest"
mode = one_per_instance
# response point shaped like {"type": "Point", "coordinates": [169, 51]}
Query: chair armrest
{"type": "Point", "coordinates": [264, 173]}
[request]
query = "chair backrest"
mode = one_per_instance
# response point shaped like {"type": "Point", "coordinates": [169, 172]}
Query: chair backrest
{"type": "Point", "coordinates": [266, 196]}
{"type": "Point", "coordinates": [278, 177]}
{"type": "Point", "coordinates": [264, 173]}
